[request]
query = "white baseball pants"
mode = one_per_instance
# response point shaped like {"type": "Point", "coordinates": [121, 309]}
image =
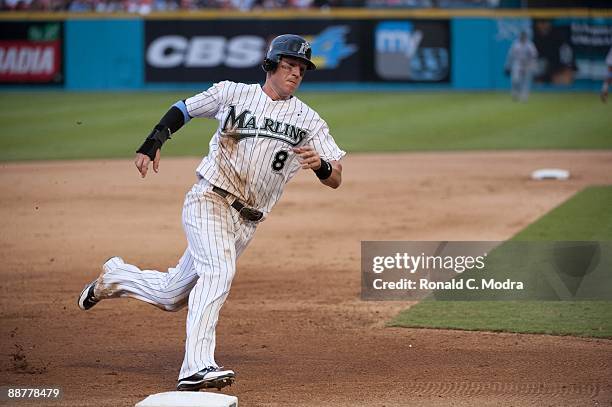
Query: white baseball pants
{"type": "Point", "coordinates": [521, 78]}
{"type": "Point", "coordinates": [216, 236]}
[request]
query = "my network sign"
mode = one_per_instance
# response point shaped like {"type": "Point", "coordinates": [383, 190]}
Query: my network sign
{"type": "Point", "coordinates": [412, 50]}
{"type": "Point", "coordinates": [186, 51]}
{"type": "Point", "coordinates": [31, 52]}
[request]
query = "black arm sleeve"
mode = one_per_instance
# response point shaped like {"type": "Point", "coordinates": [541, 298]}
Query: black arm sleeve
{"type": "Point", "coordinates": [173, 119]}
{"type": "Point", "coordinates": [169, 124]}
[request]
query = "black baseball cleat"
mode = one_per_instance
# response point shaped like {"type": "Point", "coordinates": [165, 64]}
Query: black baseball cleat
{"type": "Point", "coordinates": [208, 378]}
{"type": "Point", "coordinates": [87, 299]}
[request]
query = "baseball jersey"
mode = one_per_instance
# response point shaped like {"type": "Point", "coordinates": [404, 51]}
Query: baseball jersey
{"type": "Point", "coordinates": [522, 55]}
{"type": "Point", "coordinates": [257, 163]}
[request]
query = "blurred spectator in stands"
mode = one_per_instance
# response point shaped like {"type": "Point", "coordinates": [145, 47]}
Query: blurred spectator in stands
{"type": "Point", "coordinates": [147, 6]}
{"type": "Point", "coordinates": [433, 3]}
{"type": "Point", "coordinates": [467, 3]}
{"type": "Point", "coordinates": [241, 5]}
{"type": "Point", "coordinates": [269, 4]}
{"type": "Point", "coordinates": [400, 3]}
{"type": "Point", "coordinates": [138, 6]}
{"type": "Point", "coordinates": [108, 6]}
{"type": "Point", "coordinates": [80, 6]}
{"type": "Point", "coordinates": [166, 5]}
{"type": "Point", "coordinates": [18, 5]}
{"type": "Point", "coordinates": [301, 4]}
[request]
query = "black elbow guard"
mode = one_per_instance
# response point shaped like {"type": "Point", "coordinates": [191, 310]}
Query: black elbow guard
{"type": "Point", "coordinates": [154, 141]}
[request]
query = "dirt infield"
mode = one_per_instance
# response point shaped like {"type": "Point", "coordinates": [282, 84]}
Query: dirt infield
{"type": "Point", "coordinates": [293, 328]}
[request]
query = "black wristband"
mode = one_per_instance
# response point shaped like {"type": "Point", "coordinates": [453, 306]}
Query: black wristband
{"type": "Point", "coordinates": [154, 141]}
{"type": "Point", "coordinates": [324, 171]}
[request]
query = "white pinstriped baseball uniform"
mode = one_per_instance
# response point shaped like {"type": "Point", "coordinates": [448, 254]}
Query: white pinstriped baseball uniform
{"type": "Point", "coordinates": [253, 166]}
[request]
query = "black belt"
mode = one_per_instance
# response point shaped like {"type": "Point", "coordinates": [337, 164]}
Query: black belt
{"type": "Point", "coordinates": [247, 213]}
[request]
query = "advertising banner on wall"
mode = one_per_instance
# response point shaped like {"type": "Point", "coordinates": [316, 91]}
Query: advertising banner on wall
{"type": "Point", "coordinates": [571, 51]}
{"type": "Point", "coordinates": [343, 50]}
{"type": "Point", "coordinates": [412, 50]}
{"type": "Point", "coordinates": [31, 52]}
{"type": "Point", "coordinates": [208, 51]}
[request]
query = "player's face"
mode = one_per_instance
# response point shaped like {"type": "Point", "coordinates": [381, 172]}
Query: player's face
{"type": "Point", "coordinates": [288, 76]}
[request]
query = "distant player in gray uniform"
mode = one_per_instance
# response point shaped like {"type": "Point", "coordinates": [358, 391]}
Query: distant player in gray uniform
{"type": "Point", "coordinates": [520, 63]}
{"type": "Point", "coordinates": [607, 79]}
{"type": "Point", "coordinates": [265, 135]}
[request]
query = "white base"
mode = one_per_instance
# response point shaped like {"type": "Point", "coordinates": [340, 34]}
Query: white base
{"type": "Point", "coordinates": [189, 399]}
{"type": "Point", "coordinates": [550, 173]}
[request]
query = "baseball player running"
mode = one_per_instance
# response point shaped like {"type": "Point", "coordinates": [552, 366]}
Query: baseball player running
{"type": "Point", "coordinates": [265, 135]}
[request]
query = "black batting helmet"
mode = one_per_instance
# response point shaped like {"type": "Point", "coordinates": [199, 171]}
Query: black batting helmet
{"type": "Point", "coordinates": [288, 45]}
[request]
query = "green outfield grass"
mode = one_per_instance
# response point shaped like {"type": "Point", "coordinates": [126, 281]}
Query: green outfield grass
{"type": "Point", "coordinates": [578, 318]}
{"type": "Point", "coordinates": [58, 125]}
{"type": "Point", "coordinates": [586, 216]}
